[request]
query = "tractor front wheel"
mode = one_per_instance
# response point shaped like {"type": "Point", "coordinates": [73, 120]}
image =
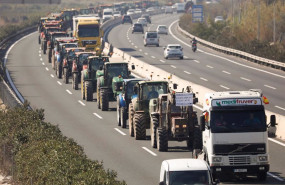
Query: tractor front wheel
{"type": "Point", "coordinates": [131, 116]}
{"type": "Point", "coordinates": [124, 115]}
{"type": "Point", "coordinates": [104, 100]}
{"type": "Point", "coordinates": [153, 128]}
{"type": "Point", "coordinates": [140, 126]}
{"type": "Point", "coordinates": [162, 139]}
{"type": "Point", "coordinates": [75, 81]}
{"type": "Point", "coordinates": [65, 76]}
{"type": "Point", "coordinates": [88, 91]}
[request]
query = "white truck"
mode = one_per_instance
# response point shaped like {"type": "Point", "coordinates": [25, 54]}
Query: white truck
{"type": "Point", "coordinates": [180, 7]}
{"type": "Point", "coordinates": [234, 131]}
{"type": "Point", "coordinates": [107, 14]}
{"type": "Point", "coordinates": [185, 171]}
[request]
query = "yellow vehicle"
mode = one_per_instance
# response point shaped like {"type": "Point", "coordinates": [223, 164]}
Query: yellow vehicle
{"type": "Point", "coordinates": [88, 32]}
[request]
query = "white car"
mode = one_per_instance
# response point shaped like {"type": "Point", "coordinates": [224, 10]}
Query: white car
{"type": "Point", "coordinates": [142, 21]}
{"type": "Point", "coordinates": [138, 11]}
{"type": "Point", "coordinates": [117, 14]}
{"type": "Point", "coordinates": [130, 11]}
{"type": "Point", "coordinates": [161, 29]}
{"type": "Point", "coordinates": [151, 38]}
{"type": "Point", "coordinates": [173, 51]}
{"type": "Point", "coordinates": [219, 19]}
{"type": "Point", "coordinates": [185, 171]}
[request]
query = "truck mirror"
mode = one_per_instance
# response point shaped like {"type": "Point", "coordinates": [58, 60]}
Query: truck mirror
{"type": "Point", "coordinates": [272, 120]}
{"type": "Point", "coordinates": [175, 86]}
{"type": "Point", "coordinates": [162, 183]}
{"type": "Point", "coordinates": [135, 89]}
{"type": "Point", "coordinates": [195, 100]}
{"type": "Point", "coordinates": [133, 66]}
{"type": "Point", "coordinates": [202, 123]}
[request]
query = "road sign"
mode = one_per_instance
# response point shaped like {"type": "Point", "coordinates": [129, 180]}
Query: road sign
{"type": "Point", "coordinates": [184, 99]}
{"type": "Point", "coordinates": [197, 13]}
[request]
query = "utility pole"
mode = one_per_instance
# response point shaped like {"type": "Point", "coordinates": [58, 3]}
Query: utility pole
{"type": "Point", "coordinates": [258, 21]}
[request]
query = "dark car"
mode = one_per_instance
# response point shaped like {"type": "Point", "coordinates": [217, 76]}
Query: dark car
{"type": "Point", "coordinates": [147, 17]}
{"type": "Point", "coordinates": [127, 19]}
{"type": "Point", "coordinates": [137, 27]}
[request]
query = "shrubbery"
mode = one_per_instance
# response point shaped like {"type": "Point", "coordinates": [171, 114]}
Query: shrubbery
{"type": "Point", "coordinates": [34, 151]}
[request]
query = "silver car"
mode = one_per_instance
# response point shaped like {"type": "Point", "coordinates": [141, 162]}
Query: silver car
{"type": "Point", "coordinates": [173, 51]}
{"type": "Point", "coordinates": [161, 29]}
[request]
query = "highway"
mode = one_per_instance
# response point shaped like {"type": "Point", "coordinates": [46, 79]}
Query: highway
{"type": "Point", "coordinates": [135, 161]}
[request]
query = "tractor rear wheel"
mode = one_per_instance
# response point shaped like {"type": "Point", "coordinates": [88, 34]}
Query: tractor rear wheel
{"type": "Point", "coordinates": [131, 119]}
{"type": "Point", "coordinates": [162, 139]}
{"type": "Point", "coordinates": [197, 142]}
{"type": "Point", "coordinates": [75, 81]}
{"type": "Point", "coordinates": [65, 76]}
{"type": "Point", "coordinates": [59, 68]}
{"type": "Point", "coordinates": [104, 99]}
{"type": "Point", "coordinates": [88, 91]}
{"type": "Point", "coordinates": [140, 126]}
{"type": "Point", "coordinates": [118, 112]}
{"type": "Point", "coordinates": [98, 95]}
{"type": "Point", "coordinates": [124, 115]}
{"type": "Point", "coordinates": [49, 55]}
{"type": "Point", "coordinates": [153, 128]}
{"type": "Point", "coordinates": [82, 90]}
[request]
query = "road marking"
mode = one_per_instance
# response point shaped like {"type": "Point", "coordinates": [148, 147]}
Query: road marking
{"type": "Point", "coordinates": [203, 79]}
{"type": "Point", "coordinates": [79, 101]}
{"type": "Point", "coordinates": [59, 82]}
{"type": "Point", "coordinates": [132, 44]}
{"type": "Point", "coordinates": [226, 72]}
{"type": "Point", "coordinates": [274, 176]}
{"type": "Point", "coordinates": [149, 151]}
{"type": "Point", "coordinates": [52, 75]}
{"type": "Point", "coordinates": [162, 61]}
{"type": "Point", "coordinates": [209, 66]}
{"type": "Point", "coordinates": [224, 87]}
{"type": "Point", "coordinates": [47, 69]}
{"type": "Point", "coordinates": [245, 79]}
{"type": "Point", "coordinates": [140, 49]}
{"type": "Point", "coordinates": [280, 107]}
{"type": "Point", "coordinates": [270, 87]}
{"type": "Point", "coordinates": [43, 63]}
{"type": "Point", "coordinates": [136, 47]}
{"type": "Point", "coordinates": [152, 56]}
{"type": "Point", "coordinates": [130, 41]}
{"type": "Point", "coordinates": [187, 72]}
{"type": "Point", "coordinates": [68, 91]}
{"type": "Point", "coordinates": [173, 66]}
{"type": "Point", "coordinates": [120, 131]}
{"type": "Point", "coordinates": [40, 55]}
{"type": "Point", "coordinates": [196, 61]}
{"type": "Point", "coordinates": [97, 115]}
{"type": "Point", "coordinates": [41, 59]}
{"type": "Point", "coordinates": [261, 70]}
{"type": "Point", "coordinates": [40, 51]}
{"type": "Point", "coordinates": [277, 142]}
{"type": "Point", "coordinates": [186, 57]}
{"type": "Point", "coordinates": [146, 53]}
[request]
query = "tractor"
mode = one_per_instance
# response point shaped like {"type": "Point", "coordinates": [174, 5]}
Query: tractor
{"type": "Point", "coordinates": [109, 82]}
{"type": "Point", "coordinates": [172, 118]}
{"type": "Point", "coordinates": [139, 117]}
{"type": "Point", "coordinates": [88, 76]}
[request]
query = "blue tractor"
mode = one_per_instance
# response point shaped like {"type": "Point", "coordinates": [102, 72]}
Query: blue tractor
{"type": "Point", "coordinates": [123, 100]}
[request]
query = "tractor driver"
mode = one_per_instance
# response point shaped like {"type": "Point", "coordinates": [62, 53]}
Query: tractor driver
{"type": "Point", "coordinates": [152, 94]}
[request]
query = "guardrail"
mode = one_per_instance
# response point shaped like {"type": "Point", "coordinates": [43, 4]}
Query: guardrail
{"type": "Point", "coordinates": [234, 52]}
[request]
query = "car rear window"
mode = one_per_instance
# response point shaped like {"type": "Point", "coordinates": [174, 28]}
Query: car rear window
{"type": "Point", "coordinates": [174, 47]}
{"type": "Point", "coordinates": [151, 35]}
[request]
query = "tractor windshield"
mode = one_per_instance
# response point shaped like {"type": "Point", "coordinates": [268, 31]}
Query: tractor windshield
{"type": "Point", "coordinates": [83, 57]}
{"type": "Point", "coordinates": [153, 90]}
{"type": "Point", "coordinates": [115, 70]}
{"type": "Point", "coordinates": [96, 63]}
{"type": "Point", "coordinates": [130, 89]}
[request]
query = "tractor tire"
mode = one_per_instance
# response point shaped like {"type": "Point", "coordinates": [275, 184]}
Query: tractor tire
{"type": "Point", "coordinates": [65, 76]}
{"type": "Point", "coordinates": [131, 119]}
{"type": "Point", "coordinates": [153, 128]}
{"type": "Point", "coordinates": [58, 70]}
{"type": "Point", "coordinates": [82, 90]}
{"type": "Point", "coordinates": [49, 56]}
{"type": "Point", "coordinates": [104, 100]}
{"type": "Point", "coordinates": [118, 112]}
{"type": "Point", "coordinates": [162, 139]}
{"type": "Point", "coordinates": [140, 126]}
{"type": "Point", "coordinates": [39, 39]}
{"type": "Point", "coordinates": [197, 142]}
{"type": "Point", "coordinates": [52, 62]}
{"type": "Point", "coordinates": [98, 95]}
{"type": "Point", "coordinates": [88, 91]}
{"type": "Point", "coordinates": [75, 81]}
{"type": "Point", "coordinates": [124, 115]}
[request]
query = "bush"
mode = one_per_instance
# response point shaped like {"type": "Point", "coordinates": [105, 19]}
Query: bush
{"type": "Point", "coordinates": [36, 152]}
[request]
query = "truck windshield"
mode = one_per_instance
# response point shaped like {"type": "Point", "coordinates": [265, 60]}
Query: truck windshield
{"type": "Point", "coordinates": [153, 90]}
{"type": "Point", "coordinates": [238, 121]}
{"type": "Point", "coordinates": [88, 31]}
{"type": "Point", "coordinates": [200, 177]}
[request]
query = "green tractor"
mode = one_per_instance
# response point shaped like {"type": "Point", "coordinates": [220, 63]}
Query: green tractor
{"type": "Point", "coordinates": [110, 81]}
{"type": "Point", "coordinates": [88, 76]}
{"type": "Point", "coordinates": [139, 117]}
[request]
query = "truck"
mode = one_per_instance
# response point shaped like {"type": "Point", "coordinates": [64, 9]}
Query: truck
{"type": "Point", "coordinates": [86, 28]}
{"type": "Point", "coordinates": [234, 130]}
{"type": "Point", "coordinates": [180, 7]}
{"type": "Point", "coordinates": [107, 14]}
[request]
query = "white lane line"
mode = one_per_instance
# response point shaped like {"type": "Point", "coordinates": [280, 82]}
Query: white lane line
{"type": "Point", "coordinates": [68, 91]}
{"type": "Point", "coordinates": [224, 87]}
{"type": "Point", "coordinates": [162, 61]}
{"type": "Point", "coordinates": [196, 61]}
{"type": "Point", "coordinates": [52, 75]}
{"type": "Point", "coordinates": [261, 70]}
{"type": "Point", "coordinates": [270, 87]}
{"type": "Point", "coordinates": [186, 57]}
{"type": "Point", "coordinates": [203, 79]}
{"type": "Point", "coordinates": [47, 69]}
{"type": "Point", "coordinates": [130, 41]}
{"type": "Point", "coordinates": [146, 53]}
{"type": "Point", "coordinates": [173, 66]}
{"type": "Point", "coordinates": [43, 63]}
{"type": "Point", "coordinates": [40, 55]}
{"type": "Point", "coordinates": [40, 51]}
{"type": "Point", "coordinates": [187, 72]}
{"type": "Point", "coordinates": [59, 82]}
{"type": "Point", "coordinates": [226, 72]}
{"type": "Point", "coordinates": [209, 66]}
{"type": "Point", "coordinates": [41, 59]}
{"type": "Point", "coordinates": [132, 44]}
{"type": "Point", "coordinates": [140, 49]}
{"type": "Point", "coordinates": [280, 107]}
{"type": "Point", "coordinates": [136, 47]}
{"type": "Point", "coordinates": [120, 131]}
{"type": "Point", "coordinates": [243, 78]}
{"type": "Point", "coordinates": [79, 101]}
{"type": "Point", "coordinates": [277, 142]}
{"type": "Point", "coordinates": [149, 151]}
{"type": "Point", "coordinates": [95, 114]}
{"type": "Point", "coordinates": [152, 56]}
{"type": "Point", "coordinates": [274, 176]}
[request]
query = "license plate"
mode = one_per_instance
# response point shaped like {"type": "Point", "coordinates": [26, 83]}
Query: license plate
{"type": "Point", "coordinates": [240, 170]}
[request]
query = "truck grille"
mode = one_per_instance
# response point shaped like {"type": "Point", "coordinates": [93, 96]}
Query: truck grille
{"type": "Point", "coordinates": [239, 149]}
{"type": "Point", "coordinates": [239, 160]}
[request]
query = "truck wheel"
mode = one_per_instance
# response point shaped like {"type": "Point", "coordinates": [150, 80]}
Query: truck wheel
{"type": "Point", "coordinates": [104, 100]}
{"type": "Point", "coordinates": [65, 76]}
{"type": "Point", "coordinates": [88, 91]}
{"type": "Point", "coordinates": [82, 90]}
{"type": "Point", "coordinates": [162, 139]}
{"type": "Point", "coordinates": [75, 81]}
{"type": "Point", "coordinates": [131, 116]}
{"type": "Point", "coordinates": [139, 127]}
{"type": "Point", "coordinates": [153, 128]}
{"type": "Point", "coordinates": [118, 112]}
{"type": "Point", "coordinates": [262, 176]}
{"type": "Point", "coordinates": [124, 115]}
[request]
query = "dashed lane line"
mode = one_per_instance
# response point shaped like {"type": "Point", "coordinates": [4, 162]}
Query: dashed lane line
{"type": "Point", "coordinates": [224, 87]}
{"type": "Point", "coordinates": [269, 86]}
{"type": "Point", "coordinates": [197, 61]}
{"type": "Point", "coordinates": [173, 66]}
{"type": "Point", "coordinates": [280, 107]}
{"type": "Point", "coordinates": [149, 151]}
{"type": "Point", "coordinates": [186, 57]}
{"type": "Point", "coordinates": [68, 91]}
{"type": "Point", "coordinates": [59, 83]}
{"type": "Point", "coordinates": [246, 79]}
{"type": "Point", "coordinates": [97, 115]}
{"type": "Point", "coordinates": [120, 131]}
{"type": "Point", "coordinates": [187, 72]}
{"type": "Point", "coordinates": [47, 69]}
{"type": "Point", "coordinates": [162, 61]}
{"type": "Point", "coordinates": [210, 66]}
{"type": "Point", "coordinates": [226, 72]}
{"type": "Point", "coordinates": [79, 101]}
{"type": "Point", "coordinates": [52, 75]}
{"type": "Point", "coordinates": [146, 53]}
{"type": "Point", "coordinates": [204, 79]}
{"type": "Point", "coordinates": [43, 63]}
{"type": "Point", "coordinates": [274, 176]}
{"type": "Point", "coordinates": [152, 56]}
{"type": "Point", "coordinates": [41, 59]}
